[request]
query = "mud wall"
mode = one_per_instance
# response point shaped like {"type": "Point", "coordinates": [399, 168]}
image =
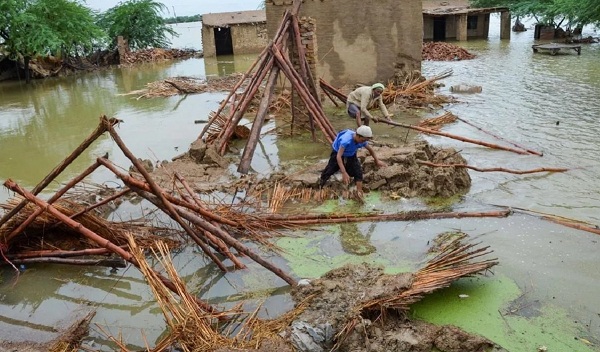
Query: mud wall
{"type": "Point", "coordinates": [360, 41]}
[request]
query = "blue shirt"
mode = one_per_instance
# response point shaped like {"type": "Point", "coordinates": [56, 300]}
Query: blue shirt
{"type": "Point", "coordinates": [345, 139]}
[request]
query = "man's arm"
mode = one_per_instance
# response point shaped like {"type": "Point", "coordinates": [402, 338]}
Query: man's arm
{"type": "Point", "coordinates": [384, 109]}
{"type": "Point", "coordinates": [340, 161]}
{"type": "Point", "coordinates": [378, 162]}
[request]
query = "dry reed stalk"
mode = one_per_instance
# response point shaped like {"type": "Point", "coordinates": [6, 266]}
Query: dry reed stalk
{"type": "Point", "coordinates": [452, 263]}
{"type": "Point", "coordinates": [436, 123]}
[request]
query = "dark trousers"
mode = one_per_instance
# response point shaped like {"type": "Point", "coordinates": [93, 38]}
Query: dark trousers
{"type": "Point", "coordinates": [351, 163]}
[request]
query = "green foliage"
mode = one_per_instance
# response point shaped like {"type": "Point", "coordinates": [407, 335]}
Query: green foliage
{"type": "Point", "coordinates": [184, 19]}
{"type": "Point", "coordinates": [571, 13]}
{"type": "Point", "coordinates": [139, 22]}
{"type": "Point", "coordinates": [41, 27]}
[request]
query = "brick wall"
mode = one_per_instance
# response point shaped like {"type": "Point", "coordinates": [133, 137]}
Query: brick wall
{"type": "Point", "coordinates": [359, 41]}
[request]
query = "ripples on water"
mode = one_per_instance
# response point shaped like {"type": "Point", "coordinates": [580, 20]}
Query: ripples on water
{"type": "Point", "coordinates": [524, 95]}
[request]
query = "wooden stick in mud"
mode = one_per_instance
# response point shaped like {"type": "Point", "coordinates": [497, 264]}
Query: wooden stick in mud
{"type": "Point", "coordinates": [501, 138]}
{"type": "Point", "coordinates": [449, 135]}
{"type": "Point", "coordinates": [10, 184]}
{"type": "Point", "coordinates": [168, 207]}
{"type": "Point", "coordinates": [102, 127]}
{"type": "Point", "coordinates": [495, 169]}
{"type": "Point", "coordinates": [18, 229]}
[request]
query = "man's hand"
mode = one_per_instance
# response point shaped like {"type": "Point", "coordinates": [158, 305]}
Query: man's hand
{"type": "Point", "coordinates": [375, 119]}
{"type": "Point", "coordinates": [389, 117]}
{"type": "Point", "coordinates": [346, 178]}
{"type": "Point", "coordinates": [380, 163]}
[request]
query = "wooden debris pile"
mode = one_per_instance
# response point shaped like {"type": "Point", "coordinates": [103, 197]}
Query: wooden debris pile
{"type": "Point", "coordinates": [442, 51]}
{"type": "Point", "coordinates": [182, 85]}
{"type": "Point", "coordinates": [413, 92]}
{"type": "Point", "coordinates": [273, 61]}
{"type": "Point", "coordinates": [155, 54]}
{"type": "Point", "coordinates": [435, 123]}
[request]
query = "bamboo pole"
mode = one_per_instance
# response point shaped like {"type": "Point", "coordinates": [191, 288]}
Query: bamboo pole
{"type": "Point", "coordinates": [495, 169]}
{"type": "Point", "coordinates": [463, 139]}
{"type": "Point", "coordinates": [160, 194]}
{"type": "Point", "coordinates": [10, 184]}
{"type": "Point", "coordinates": [501, 138]}
{"type": "Point", "coordinates": [102, 127]}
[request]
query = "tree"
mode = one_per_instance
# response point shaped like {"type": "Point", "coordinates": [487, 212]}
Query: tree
{"type": "Point", "coordinates": [139, 22]}
{"type": "Point", "coordinates": [30, 28]}
{"type": "Point", "coordinates": [569, 13]}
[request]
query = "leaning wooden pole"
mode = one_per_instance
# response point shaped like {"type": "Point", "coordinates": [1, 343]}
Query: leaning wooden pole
{"type": "Point", "coordinates": [21, 227]}
{"type": "Point", "coordinates": [103, 126]}
{"type": "Point", "coordinates": [160, 194]}
{"type": "Point", "coordinates": [459, 138]}
{"type": "Point", "coordinates": [101, 241]}
{"type": "Point", "coordinates": [258, 62]}
{"type": "Point", "coordinates": [257, 125]}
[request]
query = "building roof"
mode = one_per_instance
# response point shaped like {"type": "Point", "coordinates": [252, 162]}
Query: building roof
{"type": "Point", "coordinates": [225, 19]}
{"type": "Point", "coordinates": [455, 7]}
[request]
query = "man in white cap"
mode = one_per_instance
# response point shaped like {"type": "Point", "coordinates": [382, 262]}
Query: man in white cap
{"type": "Point", "coordinates": [343, 156]}
{"type": "Point", "coordinates": [359, 101]}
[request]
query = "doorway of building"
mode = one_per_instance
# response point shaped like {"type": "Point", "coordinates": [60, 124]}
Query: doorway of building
{"type": "Point", "coordinates": [223, 42]}
{"type": "Point", "coordinates": [439, 28]}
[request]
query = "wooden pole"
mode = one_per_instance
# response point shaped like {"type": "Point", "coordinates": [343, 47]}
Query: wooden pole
{"type": "Point", "coordinates": [263, 109]}
{"type": "Point", "coordinates": [102, 127]}
{"type": "Point", "coordinates": [217, 241]}
{"type": "Point", "coordinates": [463, 139]}
{"type": "Point", "coordinates": [108, 262]}
{"type": "Point", "coordinates": [258, 62]}
{"type": "Point", "coordinates": [501, 138]}
{"type": "Point", "coordinates": [495, 169]}
{"type": "Point", "coordinates": [18, 229]}
{"type": "Point", "coordinates": [348, 218]}
{"type": "Point", "coordinates": [160, 194]}
{"type": "Point", "coordinates": [102, 242]}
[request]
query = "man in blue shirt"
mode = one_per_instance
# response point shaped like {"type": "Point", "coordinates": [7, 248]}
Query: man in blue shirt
{"type": "Point", "coordinates": [343, 156]}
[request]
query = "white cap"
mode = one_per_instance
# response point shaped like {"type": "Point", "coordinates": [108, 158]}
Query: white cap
{"type": "Point", "coordinates": [364, 131]}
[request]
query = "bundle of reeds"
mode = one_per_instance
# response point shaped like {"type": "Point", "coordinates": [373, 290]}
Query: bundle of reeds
{"type": "Point", "coordinates": [435, 123]}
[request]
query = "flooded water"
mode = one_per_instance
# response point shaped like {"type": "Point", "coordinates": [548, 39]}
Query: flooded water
{"type": "Point", "coordinates": [547, 103]}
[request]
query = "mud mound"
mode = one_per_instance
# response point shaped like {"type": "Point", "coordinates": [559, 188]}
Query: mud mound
{"type": "Point", "coordinates": [332, 301]}
{"type": "Point", "coordinates": [404, 176]}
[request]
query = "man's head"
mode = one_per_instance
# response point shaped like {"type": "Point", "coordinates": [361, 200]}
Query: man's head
{"type": "Point", "coordinates": [377, 89]}
{"type": "Point", "coordinates": [364, 133]}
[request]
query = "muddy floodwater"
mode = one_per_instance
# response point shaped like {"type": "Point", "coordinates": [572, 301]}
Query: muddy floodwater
{"type": "Point", "coordinates": [544, 292]}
